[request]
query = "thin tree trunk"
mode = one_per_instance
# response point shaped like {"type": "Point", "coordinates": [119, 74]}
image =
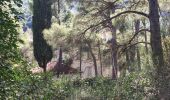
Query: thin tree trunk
{"type": "Point", "coordinates": [94, 59]}
{"type": "Point", "coordinates": [115, 67]}
{"type": "Point", "coordinates": [59, 22]}
{"type": "Point", "coordinates": [157, 51]}
{"type": "Point", "coordinates": [132, 53]}
{"type": "Point", "coordinates": [88, 55]}
{"type": "Point", "coordinates": [114, 55]}
{"type": "Point", "coordinates": [100, 58]}
{"type": "Point", "coordinates": [59, 63]}
{"type": "Point", "coordinates": [145, 33]}
{"type": "Point", "coordinates": [127, 60]}
{"type": "Point", "coordinates": [146, 45]}
{"type": "Point", "coordinates": [138, 58]}
{"type": "Point", "coordinates": [60, 57]}
{"type": "Point", "coordinates": [80, 59]}
{"type": "Point", "coordinates": [114, 64]}
{"type": "Point", "coordinates": [127, 57]}
{"type": "Point", "coordinates": [137, 26]}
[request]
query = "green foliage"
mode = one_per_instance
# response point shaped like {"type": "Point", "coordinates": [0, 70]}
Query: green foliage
{"type": "Point", "coordinates": [8, 34]}
{"type": "Point", "coordinates": [20, 83]}
{"type": "Point", "coordinates": [132, 87]}
{"type": "Point", "coordinates": [9, 53]}
{"type": "Point", "coordinates": [33, 86]}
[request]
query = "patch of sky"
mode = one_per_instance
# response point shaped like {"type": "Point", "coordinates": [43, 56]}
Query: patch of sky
{"type": "Point", "coordinates": [27, 15]}
{"type": "Point", "coordinates": [73, 8]}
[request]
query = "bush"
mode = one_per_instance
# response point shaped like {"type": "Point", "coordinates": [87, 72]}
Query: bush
{"type": "Point", "coordinates": [132, 87]}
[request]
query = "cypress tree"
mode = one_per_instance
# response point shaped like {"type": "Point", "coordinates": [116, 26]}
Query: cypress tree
{"type": "Point", "coordinates": [41, 20]}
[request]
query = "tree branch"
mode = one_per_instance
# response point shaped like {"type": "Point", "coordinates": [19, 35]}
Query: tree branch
{"type": "Point", "coordinates": [130, 45]}
{"type": "Point", "coordinates": [137, 34]}
{"type": "Point", "coordinates": [129, 42]}
{"type": "Point", "coordinates": [119, 14]}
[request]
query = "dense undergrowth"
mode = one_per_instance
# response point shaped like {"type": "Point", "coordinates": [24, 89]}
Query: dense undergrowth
{"type": "Point", "coordinates": [21, 84]}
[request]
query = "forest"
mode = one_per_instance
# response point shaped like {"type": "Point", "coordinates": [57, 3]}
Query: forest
{"type": "Point", "coordinates": [84, 49]}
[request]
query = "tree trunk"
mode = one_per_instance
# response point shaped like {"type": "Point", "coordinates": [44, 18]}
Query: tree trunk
{"type": "Point", "coordinates": [59, 64]}
{"type": "Point", "coordinates": [132, 53]}
{"type": "Point", "coordinates": [127, 60]}
{"type": "Point", "coordinates": [156, 43]}
{"type": "Point", "coordinates": [88, 55]}
{"type": "Point", "coordinates": [127, 57]}
{"type": "Point", "coordinates": [100, 58]}
{"type": "Point", "coordinates": [114, 54]}
{"type": "Point", "coordinates": [59, 22]}
{"type": "Point", "coordinates": [80, 59]}
{"type": "Point", "coordinates": [146, 45]}
{"type": "Point", "coordinates": [138, 58]}
{"type": "Point", "coordinates": [114, 59]}
{"type": "Point", "coordinates": [94, 58]}
{"type": "Point", "coordinates": [45, 70]}
{"type": "Point", "coordinates": [60, 57]}
{"type": "Point", "coordinates": [157, 51]}
{"type": "Point", "coordinates": [145, 33]}
{"type": "Point", "coordinates": [112, 28]}
{"type": "Point", "coordinates": [137, 26]}
{"type": "Point", "coordinates": [115, 67]}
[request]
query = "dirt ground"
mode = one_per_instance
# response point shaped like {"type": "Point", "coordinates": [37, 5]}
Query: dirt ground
{"type": "Point", "coordinates": [88, 68]}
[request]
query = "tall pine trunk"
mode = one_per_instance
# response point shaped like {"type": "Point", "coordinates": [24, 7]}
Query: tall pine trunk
{"type": "Point", "coordinates": [114, 59]}
{"type": "Point", "coordinates": [115, 67]}
{"type": "Point", "coordinates": [157, 51]}
{"type": "Point", "coordinates": [112, 29]}
{"type": "Point", "coordinates": [156, 43]}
